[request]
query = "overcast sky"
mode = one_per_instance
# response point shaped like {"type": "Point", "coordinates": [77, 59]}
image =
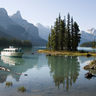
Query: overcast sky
{"type": "Point", "coordinates": [46, 11]}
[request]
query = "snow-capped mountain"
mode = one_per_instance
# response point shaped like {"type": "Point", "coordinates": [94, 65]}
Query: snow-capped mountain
{"type": "Point", "coordinates": [89, 35]}
{"type": "Point", "coordinates": [91, 31]}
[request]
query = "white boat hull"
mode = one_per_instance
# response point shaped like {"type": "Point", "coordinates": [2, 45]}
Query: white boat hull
{"type": "Point", "coordinates": [13, 54]}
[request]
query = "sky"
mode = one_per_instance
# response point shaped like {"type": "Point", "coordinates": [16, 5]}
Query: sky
{"type": "Point", "coordinates": [46, 11]}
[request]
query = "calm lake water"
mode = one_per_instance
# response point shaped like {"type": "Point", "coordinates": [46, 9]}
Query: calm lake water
{"type": "Point", "coordinates": [46, 75]}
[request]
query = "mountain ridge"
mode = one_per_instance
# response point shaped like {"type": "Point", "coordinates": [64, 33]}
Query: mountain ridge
{"type": "Point", "coordinates": [87, 36]}
{"type": "Point", "coordinates": [19, 28]}
{"type": "Point", "coordinates": [32, 30]}
{"type": "Point", "coordinates": [43, 31]}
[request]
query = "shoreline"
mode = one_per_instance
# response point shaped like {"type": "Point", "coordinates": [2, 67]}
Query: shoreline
{"type": "Point", "coordinates": [68, 53]}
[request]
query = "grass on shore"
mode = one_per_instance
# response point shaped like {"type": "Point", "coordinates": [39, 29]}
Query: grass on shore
{"type": "Point", "coordinates": [22, 89]}
{"type": "Point", "coordinates": [69, 53]}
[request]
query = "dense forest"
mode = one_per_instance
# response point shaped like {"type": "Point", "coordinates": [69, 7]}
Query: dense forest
{"type": "Point", "coordinates": [15, 42]}
{"type": "Point", "coordinates": [89, 44]}
{"type": "Point", "coordinates": [64, 34]}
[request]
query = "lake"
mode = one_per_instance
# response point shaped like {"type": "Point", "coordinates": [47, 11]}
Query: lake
{"type": "Point", "coordinates": [43, 75]}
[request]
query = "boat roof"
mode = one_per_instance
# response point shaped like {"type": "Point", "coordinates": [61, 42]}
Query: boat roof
{"type": "Point", "coordinates": [11, 48]}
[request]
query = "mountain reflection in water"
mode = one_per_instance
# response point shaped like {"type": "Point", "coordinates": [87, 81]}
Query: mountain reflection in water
{"type": "Point", "coordinates": [65, 70]}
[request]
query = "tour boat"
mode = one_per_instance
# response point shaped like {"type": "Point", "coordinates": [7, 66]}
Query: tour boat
{"type": "Point", "coordinates": [11, 51]}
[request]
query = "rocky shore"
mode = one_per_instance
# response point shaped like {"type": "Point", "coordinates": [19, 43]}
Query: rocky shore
{"type": "Point", "coordinates": [91, 65]}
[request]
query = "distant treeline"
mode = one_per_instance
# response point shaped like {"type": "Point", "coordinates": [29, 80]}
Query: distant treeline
{"type": "Point", "coordinates": [15, 42]}
{"type": "Point", "coordinates": [88, 44]}
{"type": "Point", "coordinates": [64, 34]}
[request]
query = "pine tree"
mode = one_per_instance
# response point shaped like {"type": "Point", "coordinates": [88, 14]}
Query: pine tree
{"type": "Point", "coordinates": [72, 34]}
{"type": "Point", "coordinates": [56, 28]}
{"type": "Point", "coordinates": [64, 35]}
{"type": "Point", "coordinates": [76, 36]}
{"type": "Point", "coordinates": [68, 33]}
{"type": "Point", "coordinates": [49, 42]}
{"type": "Point", "coordinates": [59, 32]}
{"type": "Point", "coordinates": [53, 41]}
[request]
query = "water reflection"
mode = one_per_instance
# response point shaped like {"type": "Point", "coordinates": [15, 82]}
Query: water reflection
{"type": "Point", "coordinates": [17, 66]}
{"type": "Point", "coordinates": [65, 70]}
{"type": "Point", "coordinates": [11, 60]}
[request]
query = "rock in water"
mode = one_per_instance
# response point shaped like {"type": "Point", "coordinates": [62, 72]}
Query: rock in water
{"type": "Point", "coordinates": [4, 69]}
{"type": "Point", "coordinates": [88, 75]}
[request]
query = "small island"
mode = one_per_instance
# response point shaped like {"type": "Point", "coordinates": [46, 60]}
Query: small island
{"type": "Point", "coordinates": [64, 39]}
{"type": "Point", "coordinates": [68, 53]}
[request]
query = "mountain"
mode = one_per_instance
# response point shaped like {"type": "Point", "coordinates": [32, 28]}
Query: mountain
{"type": "Point", "coordinates": [43, 31]}
{"type": "Point", "coordinates": [89, 35]}
{"type": "Point", "coordinates": [16, 27]}
{"type": "Point", "coordinates": [31, 30]}
{"type": "Point", "coordinates": [3, 33]}
{"type": "Point", "coordinates": [10, 27]}
{"type": "Point", "coordinates": [91, 31]}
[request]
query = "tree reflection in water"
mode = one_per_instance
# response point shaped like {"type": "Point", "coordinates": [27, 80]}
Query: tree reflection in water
{"type": "Point", "coordinates": [64, 69]}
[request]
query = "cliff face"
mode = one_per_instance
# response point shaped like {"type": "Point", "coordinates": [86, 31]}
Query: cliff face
{"type": "Point", "coordinates": [31, 30]}
{"type": "Point", "coordinates": [10, 27]}
{"type": "Point", "coordinates": [89, 35]}
{"type": "Point", "coordinates": [16, 27]}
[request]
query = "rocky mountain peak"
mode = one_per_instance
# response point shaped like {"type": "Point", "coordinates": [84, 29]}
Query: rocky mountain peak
{"type": "Point", "coordinates": [3, 12]}
{"type": "Point", "coordinates": [91, 31]}
{"type": "Point", "coordinates": [17, 15]}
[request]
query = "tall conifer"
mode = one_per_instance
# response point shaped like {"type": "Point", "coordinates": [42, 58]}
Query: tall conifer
{"type": "Point", "coordinates": [53, 40]}
{"type": "Point", "coordinates": [49, 42]}
{"type": "Point", "coordinates": [68, 33]}
{"type": "Point", "coordinates": [64, 35]}
{"type": "Point", "coordinates": [56, 28]}
{"type": "Point", "coordinates": [72, 34]}
{"type": "Point", "coordinates": [76, 36]}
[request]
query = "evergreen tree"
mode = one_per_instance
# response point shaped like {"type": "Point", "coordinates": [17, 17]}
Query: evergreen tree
{"type": "Point", "coordinates": [56, 28]}
{"type": "Point", "coordinates": [72, 34]}
{"type": "Point", "coordinates": [68, 33]}
{"type": "Point", "coordinates": [76, 36]}
{"type": "Point", "coordinates": [49, 42]}
{"type": "Point", "coordinates": [61, 36]}
{"type": "Point", "coordinates": [64, 35]}
{"type": "Point", "coordinates": [53, 40]}
{"type": "Point", "coordinates": [59, 32]}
